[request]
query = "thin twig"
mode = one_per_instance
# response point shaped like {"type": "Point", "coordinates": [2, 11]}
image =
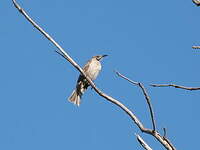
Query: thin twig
{"type": "Point", "coordinates": [142, 142]}
{"type": "Point", "coordinates": [165, 133]}
{"type": "Point", "coordinates": [59, 53]}
{"type": "Point", "coordinates": [146, 97]}
{"type": "Point", "coordinates": [197, 2]}
{"type": "Point", "coordinates": [176, 86]}
{"type": "Point", "coordinates": [107, 97]}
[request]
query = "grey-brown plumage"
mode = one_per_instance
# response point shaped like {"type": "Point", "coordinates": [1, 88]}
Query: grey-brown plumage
{"type": "Point", "coordinates": [92, 69]}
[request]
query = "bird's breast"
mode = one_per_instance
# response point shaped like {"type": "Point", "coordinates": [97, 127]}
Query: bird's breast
{"type": "Point", "coordinates": [93, 69]}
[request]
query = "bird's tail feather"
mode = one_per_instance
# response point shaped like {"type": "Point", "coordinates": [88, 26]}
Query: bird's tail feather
{"type": "Point", "coordinates": [75, 98]}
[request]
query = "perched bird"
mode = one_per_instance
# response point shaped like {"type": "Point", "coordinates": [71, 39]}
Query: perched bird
{"type": "Point", "coordinates": [91, 69]}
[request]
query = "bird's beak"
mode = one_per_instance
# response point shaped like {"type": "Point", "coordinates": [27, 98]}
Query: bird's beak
{"type": "Point", "coordinates": [104, 56]}
{"type": "Point", "coordinates": [101, 56]}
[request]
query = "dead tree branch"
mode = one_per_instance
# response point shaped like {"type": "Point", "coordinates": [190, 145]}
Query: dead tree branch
{"type": "Point", "coordinates": [142, 142]}
{"type": "Point", "coordinates": [167, 145]}
{"type": "Point", "coordinates": [176, 86]}
{"type": "Point", "coordinates": [196, 47]}
{"type": "Point", "coordinates": [197, 2]}
{"type": "Point", "coordinates": [150, 109]}
{"type": "Point", "coordinates": [146, 97]}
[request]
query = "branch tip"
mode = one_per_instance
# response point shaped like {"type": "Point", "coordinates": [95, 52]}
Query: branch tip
{"type": "Point", "coordinates": [175, 86]}
{"type": "Point", "coordinates": [165, 133]}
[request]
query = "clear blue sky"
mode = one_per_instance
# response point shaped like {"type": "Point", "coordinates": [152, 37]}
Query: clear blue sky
{"type": "Point", "coordinates": [148, 41]}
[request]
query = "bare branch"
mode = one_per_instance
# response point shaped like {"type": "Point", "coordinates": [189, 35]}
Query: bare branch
{"type": "Point", "coordinates": [196, 47]}
{"type": "Point", "coordinates": [66, 56]}
{"type": "Point", "coordinates": [47, 36]}
{"type": "Point", "coordinates": [176, 86]}
{"type": "Point", "coordinates": [146, 97]}
{"type": "Point", "coordinates": [142, 142]}
{"type": "Point", "coordinates": [167, 145]}
{"type": "Point", "coordinates": [197, 2]}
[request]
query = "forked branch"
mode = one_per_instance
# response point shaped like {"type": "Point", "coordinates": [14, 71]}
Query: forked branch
{"type": "Point", "coordinates": [164, 142]}
{"type": "Point", "coordinates": [146, 97]}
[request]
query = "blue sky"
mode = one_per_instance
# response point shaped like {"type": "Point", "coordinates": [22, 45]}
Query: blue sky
{"type": "Point", "coordinates": [148, 41]}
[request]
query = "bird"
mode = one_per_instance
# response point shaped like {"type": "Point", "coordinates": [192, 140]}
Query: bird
{"type": "Point", "coordinates": [91, 69]}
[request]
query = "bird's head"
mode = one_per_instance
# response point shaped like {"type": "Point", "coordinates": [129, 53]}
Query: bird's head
{"type": "Point", "coordinates": [99, 57]}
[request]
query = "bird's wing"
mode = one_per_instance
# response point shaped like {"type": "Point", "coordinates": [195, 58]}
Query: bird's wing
{"type": "Point", "coordinates": [85, 69]}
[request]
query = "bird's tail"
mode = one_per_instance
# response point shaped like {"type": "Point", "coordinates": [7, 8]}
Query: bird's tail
{"type": "Point", "coordinates": [75, 98]}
